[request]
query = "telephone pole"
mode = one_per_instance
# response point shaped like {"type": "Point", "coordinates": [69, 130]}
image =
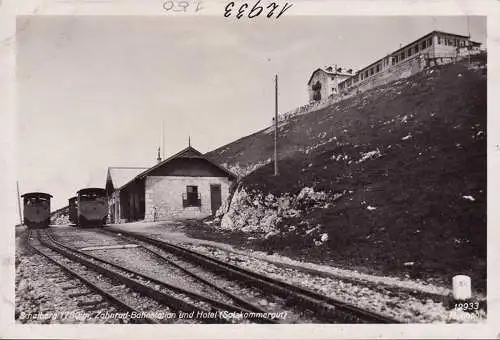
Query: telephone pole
{"type": "Point", "coordinates": [276, 173]}
{"type": "Point", "coordinates": [19, 203]}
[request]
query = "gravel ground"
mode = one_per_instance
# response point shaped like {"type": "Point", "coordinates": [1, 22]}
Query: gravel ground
{"type": "Point", "coordinates": [377, 293]}
{"type": "Point", "coordinates": [137, 259]}
{"type": "Point", "coordinates": [80, 238]}
{"type": "Point", "coordinates": [128, 295]}
{"type": "Point", "coordinates": [173, 232]}
{"type": "Point", "coordinates": [46, 294]}
{"type": "Point", "coordinates": [271, 304]}
{"type": "Point", "coordinates": [142, 261]}
{"type": "Point", "coordinates": [403, 307]}
{"type": "Point", "coordinates": [43, 291]}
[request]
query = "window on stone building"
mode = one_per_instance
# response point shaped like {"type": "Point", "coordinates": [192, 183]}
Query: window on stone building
{"type": "Point", "coordinates": [191, 198]}
{"type": "Point", "coordinates": [439, 40]}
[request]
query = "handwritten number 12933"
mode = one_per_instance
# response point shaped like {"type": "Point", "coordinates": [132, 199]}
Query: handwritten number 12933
{"type": "Point", "coordinates": [255, 10]}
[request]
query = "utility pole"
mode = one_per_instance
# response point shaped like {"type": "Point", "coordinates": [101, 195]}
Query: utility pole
{"type": "Point", "coordinates": [276, 173]}
{"type": "Point", "coordinates": [19, 203]}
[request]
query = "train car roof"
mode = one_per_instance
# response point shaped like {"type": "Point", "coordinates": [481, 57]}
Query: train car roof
{"type": "Point", "coordinates": [37, 194]}
{"type": "Point", "coordinates": [91, 190]}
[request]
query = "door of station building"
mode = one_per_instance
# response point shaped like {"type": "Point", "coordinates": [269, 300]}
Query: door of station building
{"type": "Point", "coordinates": [215, 197]}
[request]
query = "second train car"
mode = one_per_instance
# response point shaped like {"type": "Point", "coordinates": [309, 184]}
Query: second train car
{"type": "Point", "coordinates": [92, 207]}
{"type": "Point", "coordinates": [72, 207]}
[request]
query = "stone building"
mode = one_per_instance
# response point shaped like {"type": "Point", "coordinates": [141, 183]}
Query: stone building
{"type": "Point", "coordinates": [116, 179]}
{"type": "Point", "coordinates": [433, 48]}
{"type": "Point", "coordinates": [323, 83]}
{"type": "Point", "coordinates": [186, 185]}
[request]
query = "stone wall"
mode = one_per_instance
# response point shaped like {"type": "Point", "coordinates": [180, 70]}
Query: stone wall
{"type": "Point", "coordinates": [165, 194]}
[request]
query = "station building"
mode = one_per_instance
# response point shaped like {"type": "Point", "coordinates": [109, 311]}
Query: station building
{"type": "Point", "coordinates": [186, 185]}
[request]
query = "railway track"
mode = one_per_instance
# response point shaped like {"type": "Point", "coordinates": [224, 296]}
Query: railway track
{"type": "Point", "coordinates": [324, 308]}
{"type": "Point", "coordinates": [193, 305]}
{"type": "Point", "coordinates": [94, 292]}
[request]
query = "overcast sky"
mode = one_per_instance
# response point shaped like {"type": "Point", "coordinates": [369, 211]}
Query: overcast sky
{"type": "Point", "coordinates": [93, 91]}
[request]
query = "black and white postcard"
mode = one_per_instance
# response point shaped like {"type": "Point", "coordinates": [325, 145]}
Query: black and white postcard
{"type": "Point", "coordinates": [250, 170]}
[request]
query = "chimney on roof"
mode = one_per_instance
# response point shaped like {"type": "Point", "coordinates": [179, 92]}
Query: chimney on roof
{"type": "Point", "coordinates": [339, 69]}
{"type": "Point", "coordinates": [329, 68]}
{"type": "Point", "coordinates": [158, 158]}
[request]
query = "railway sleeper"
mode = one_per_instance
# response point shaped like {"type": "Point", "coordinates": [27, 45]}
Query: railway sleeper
{"type": "Point", "coordinates": [78, 294]}
{"type": "Point", "coordinates": [89, 303]}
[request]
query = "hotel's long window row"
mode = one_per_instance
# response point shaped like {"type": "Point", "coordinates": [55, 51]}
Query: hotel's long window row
{"type": "Point", "coordinates": [400, 56]}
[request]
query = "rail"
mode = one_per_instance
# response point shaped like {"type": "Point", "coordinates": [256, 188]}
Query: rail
{"type": "Point", "coordinates": [325, 307]}
{"type": "Point", "coordinates": [174, 302]}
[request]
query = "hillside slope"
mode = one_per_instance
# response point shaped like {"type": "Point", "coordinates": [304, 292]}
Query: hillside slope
{"type": "Point", "coordinates": [404, 166]}
{"type": "Point", "coordinates": [60, 216]}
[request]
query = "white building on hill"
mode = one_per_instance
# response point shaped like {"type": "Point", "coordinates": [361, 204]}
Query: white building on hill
{"type": "Point", "coordinates": [434, 48]}
{"type": "Point", "coordinates": [324, 82]}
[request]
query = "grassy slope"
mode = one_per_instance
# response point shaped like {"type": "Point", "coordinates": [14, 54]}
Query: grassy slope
{"type": "Point", "coordinates": [417, 185]}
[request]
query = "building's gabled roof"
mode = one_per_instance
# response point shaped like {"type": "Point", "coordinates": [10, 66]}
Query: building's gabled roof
{"type": "Point", "coordinates": [188, 152]}
{"type": "Point", "coordinates": [331, 73]}
{"type": "Point", "coordinates": [118, 176]}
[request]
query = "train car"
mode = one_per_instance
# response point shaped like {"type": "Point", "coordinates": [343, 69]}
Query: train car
{"type": "Point", "coordinates": [92, 209]}
{"type": "Point", "coordinates": [36, 209]}
{"type": "Point", "coordinates": [72, 207]}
